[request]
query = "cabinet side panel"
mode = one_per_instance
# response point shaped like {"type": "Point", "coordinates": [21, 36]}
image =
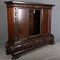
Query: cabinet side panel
{"type": "Point", "coordinates": [44, 28]}
{"type": "Point", "coordinates": [10, 23]}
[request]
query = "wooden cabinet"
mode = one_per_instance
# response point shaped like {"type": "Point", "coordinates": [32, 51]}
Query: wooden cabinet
{"type": "Point", "coordinates": [29, 26]}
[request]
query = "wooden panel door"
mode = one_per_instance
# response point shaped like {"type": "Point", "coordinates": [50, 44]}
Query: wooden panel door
{"type": "Point", "coordinates": [22, 21]}
{"type": "Point", "coordinates": [45, 21]}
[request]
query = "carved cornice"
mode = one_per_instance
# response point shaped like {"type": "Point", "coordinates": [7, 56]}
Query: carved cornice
{"type": "Point", "coordinates": [27, 4]}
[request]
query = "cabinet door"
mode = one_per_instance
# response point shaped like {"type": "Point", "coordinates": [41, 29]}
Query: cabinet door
{"type": "Point", "coordinates": [22, 23]}
{"type": "Point", "coordinates": [45, 21]}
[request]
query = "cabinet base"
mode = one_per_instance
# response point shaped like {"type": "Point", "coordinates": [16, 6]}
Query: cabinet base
{"type": "Point", "coordinates": [16, 49]}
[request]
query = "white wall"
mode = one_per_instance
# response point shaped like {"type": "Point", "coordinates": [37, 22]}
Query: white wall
{"type": "Point", "coordinates": [55, 18]}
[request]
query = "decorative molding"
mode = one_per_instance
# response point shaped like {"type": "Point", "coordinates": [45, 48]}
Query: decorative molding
{"type": "Point", "coordinates": [22, 45]}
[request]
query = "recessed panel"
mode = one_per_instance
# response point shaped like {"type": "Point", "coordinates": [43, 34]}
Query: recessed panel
{"type": "Point", "coordinates": [34, 22]}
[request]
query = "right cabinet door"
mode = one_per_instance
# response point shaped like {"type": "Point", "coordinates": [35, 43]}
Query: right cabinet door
{"type": "Point", "coordinates": [45, 21]}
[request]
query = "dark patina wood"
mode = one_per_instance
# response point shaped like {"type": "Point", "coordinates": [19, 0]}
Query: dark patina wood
{"type": "Point", "coordinates": [29, 26]}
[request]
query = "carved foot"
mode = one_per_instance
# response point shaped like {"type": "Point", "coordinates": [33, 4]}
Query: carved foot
{"type": "Point", "coordinates": [14, 57]}
{"type": "Point", "coordinates": [51, 42]}
{"type": "Point", "coordinates": [7, 53]}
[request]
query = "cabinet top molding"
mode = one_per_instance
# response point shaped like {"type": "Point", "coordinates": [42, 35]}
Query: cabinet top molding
{"type": "Point", "coordinates": [28, 3]}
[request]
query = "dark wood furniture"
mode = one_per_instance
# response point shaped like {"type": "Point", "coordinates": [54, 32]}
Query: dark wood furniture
{"type": "Point", "coordinates": [29, 26]}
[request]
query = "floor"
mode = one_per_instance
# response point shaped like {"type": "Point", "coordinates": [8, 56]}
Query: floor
{"type": "Point", "coordinates": [48, 52]}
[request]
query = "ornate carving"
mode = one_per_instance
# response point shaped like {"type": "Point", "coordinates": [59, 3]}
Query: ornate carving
{"type": "Point", "coordinates": [27, 44]}
{"type": "Point", "coordinates": [28, 6]}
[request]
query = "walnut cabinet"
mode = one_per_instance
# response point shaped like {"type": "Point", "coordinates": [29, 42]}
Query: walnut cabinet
{"type": "Point", "coordinates": [29, 26]}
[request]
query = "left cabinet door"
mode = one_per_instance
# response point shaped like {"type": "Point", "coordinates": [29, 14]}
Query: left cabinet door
{"type": "Point", "coordinates": [21, 22]}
